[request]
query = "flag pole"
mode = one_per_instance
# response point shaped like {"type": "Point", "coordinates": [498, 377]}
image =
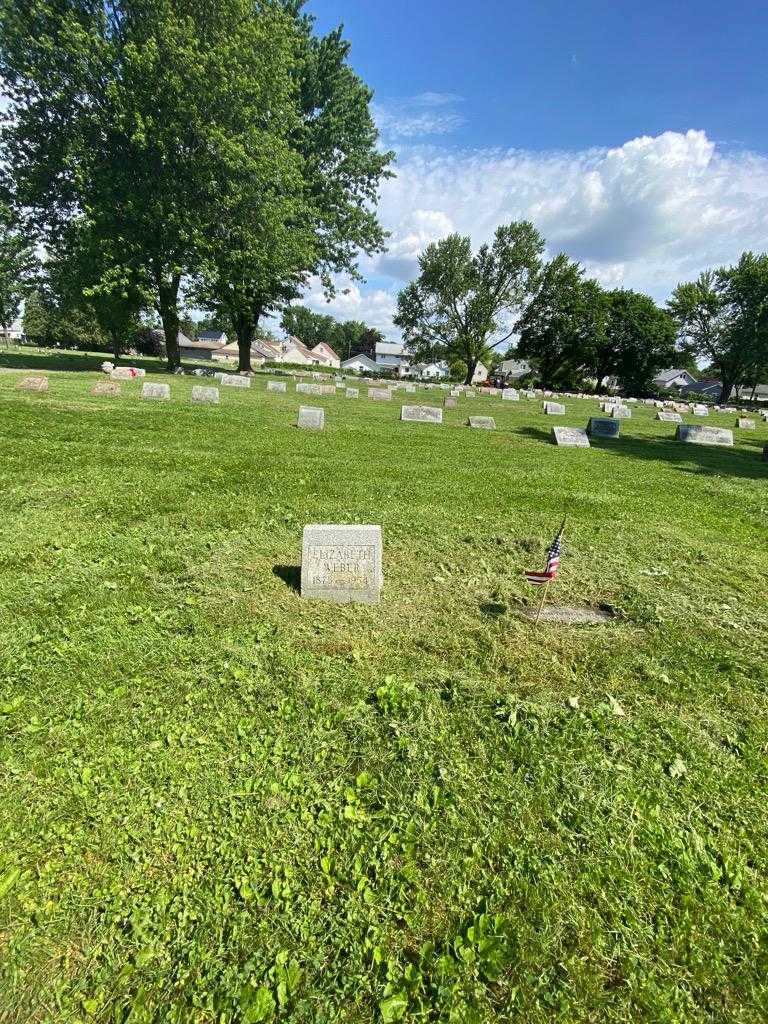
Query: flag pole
{"type": "Point", "coordinates": [541, 603]}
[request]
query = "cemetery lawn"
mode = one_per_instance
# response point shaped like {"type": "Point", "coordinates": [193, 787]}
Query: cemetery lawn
{"type": "Point", "coordinates": [223, 804]}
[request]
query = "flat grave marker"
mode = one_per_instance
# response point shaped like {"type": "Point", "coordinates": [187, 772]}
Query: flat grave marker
{"type": "Point", "coordinates": [694, 433]}
{"type": "Point", "coordinates": [341, 564]}
{"type": "Point", "coordinates": [379, 394]}
{"type": "Point", "coordinates": [105, 389]}
{"type": "Point", "coordinates": [570, 437]}
{"type": "Point", "coordinates": [510, 395]}
{"type": "Point", "coordinates": [745, 424]}
{"type": "Point", "coordinates": [421, 414]}
{"type": "Point", "coordinates": [156, 392]}
{"type": "Point", "coordinates": [554, 409]}
{"type": "Point", "coordinates": [205, 395]}
{"type": "Point", "coordinates": [352, 393]}
{"type": "Point", "coordinates": [278, 386]}
{"type": "Point", "coordinates": [310, 418]}
{"type": "Point", "coordinates": [482, 422]}
{"type": "Point", "coordinates": [33, 384]}
{"type": "Point", "coordinates": [450, 403]}
{"type": "Point", "coordinates": [621, 412]}
{"type": "Point", "coordinates": [126, 373]}
{"type": "Point", "coordinates": [234, 380]}
{"type": "Point", "coordinates": [669, 417]}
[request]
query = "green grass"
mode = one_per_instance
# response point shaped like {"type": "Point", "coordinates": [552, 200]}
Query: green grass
{"type": "Point", "coordinates": [223, 804]}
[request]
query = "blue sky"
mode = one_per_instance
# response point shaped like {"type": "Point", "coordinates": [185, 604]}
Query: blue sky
{"type": "Point", "coordinates": [634, 136]}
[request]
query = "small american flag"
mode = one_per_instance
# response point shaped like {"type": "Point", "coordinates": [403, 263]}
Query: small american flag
{"type": "Point", "coordinates": [553, 562]}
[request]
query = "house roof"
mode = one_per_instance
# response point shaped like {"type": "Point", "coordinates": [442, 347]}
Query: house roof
{"type": "Point", "coordinates": [667, 375]}
{"type": "Point", "coordinates": [704, 385]}
{"type": "Point", "coordinates": [361, 357]}
{"type": "Point", "coordinates": [205, 345]}
{"type": "Point", "coordinates": [325, 347]}
{"type": "Point", "coordinates": [515, 367]}
{"type": "Point", "coordinates": [214, 335]}
{"type": "Point", "coordinates": [386, 348]}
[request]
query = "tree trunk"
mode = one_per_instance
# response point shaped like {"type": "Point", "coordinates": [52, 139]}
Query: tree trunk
{"type": "Point", "coordinates": [471, 367]}
{"type": "Point", "coordinates": [245, 333]}
{"type": "Point", "coordinates": [168, 304]}
{"type": "Point", "coordinates": [115, 346]}
{"type": "Point", "coordinates": [726, 389]}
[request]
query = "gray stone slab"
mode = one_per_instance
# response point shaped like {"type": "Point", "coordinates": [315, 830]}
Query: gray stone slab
{"type": "Point", "coordinates": [33, 384]}
{"type": "Point", "coordinates": [106, 389]}
{"type": "Point", "coordinates": [352, 393]}
{"type": "Point", "coordinates": [379, 394]}
{"type": "Point", "coordinates": [744, 424]}
{"type": "Point", "coordinates": [450, 403]}
{"type": "Point", "coordinates": [410, 389]}
{"type": "Point", "coordinates": [510, 395]}
{"type": "Point", "coordinates": [621, 412]}
{"type": "Point", "coordinates": [308, 389]}
{"type": "Point", "coordinates": [327, 389]}
{"type": "Point", "coordinates": [603, 426]}
{"type": "Point", "coordinates": [205, 395]}
{"type": "Point", "coordinates": [421, 414]}
{"type": "Point", "coordinates": [669, 417]}
{"type": "Point", "coordinates": [700, 410]}
{"type": "Point", "coordinates": [570, 437]}
{"type": "Point", "coordinates": [695, 433]}
{"type": "Point", "coordinates": [554, 409]}
{"type": "Point", "coordinates": [342, 564]}
{"type": "Point", "coordinates": [234, 380]}
{"type": "Point", "coordinates": [311, 419]}
{"type": "Point", "coordinates": [156, 392]}
{"type": "Point", "coordinates": [277, 385]}
{"type": "Point", "coordinates": [482, 422]}
{"type": "Point", "coordinates": [126, 373]}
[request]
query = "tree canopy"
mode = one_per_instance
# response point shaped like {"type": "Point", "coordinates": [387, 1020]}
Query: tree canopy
{"type": "Point", "coordinates": [347, 337]}
{"type": "Point", "coordinates": [462, 304]}
{"type": "Point", "coordinates": [18, 267]}
{"type": "Point", "coordinates": [722, 317]}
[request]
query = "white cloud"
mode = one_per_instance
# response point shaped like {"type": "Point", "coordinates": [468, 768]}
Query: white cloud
{"type": "Point", "coordinates": [645, 215]}
{"type": "Point", "coordinates": [429, 113]}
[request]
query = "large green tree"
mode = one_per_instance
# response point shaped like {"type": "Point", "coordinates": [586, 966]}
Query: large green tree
{"type": "Point", "coordinates": [18, 267]}
{"type": "Point", "coordinates": [150, 119]}
{"type": "Point", "coordinates": [722, 317]}
{"type": "Point", "coordinates": [562, 327]}
{"type": "Point", "coordinates": [463, 304]}
{"type": "Point", "coordinates": [307, 206]}
{"type": "Point", "coordinates": [639, 340]}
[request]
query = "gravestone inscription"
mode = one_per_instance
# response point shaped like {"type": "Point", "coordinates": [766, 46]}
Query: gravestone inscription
{"type": "Point", "coordinates": [203, 394]}
{"type": "Point", "coordinates": [310, 418]}
{"type": "Point", "coordinates": [694, 433]}
{"type": "Point", "coordinates": [603, 426]}
{"type": "Point", "coordinates": [106, 389]}
{"type": "Point", "coordinates": [234, 380]}
{"type": "Point", "coordinates": [156, 392]}
{"type": "Point", "coordinates": [421, 414]}
{"type": "Point", "coordinates": [277, 385]}
{"type": "Point", "coordinates": [570, 437]}
{"type": "Point", "coordinates": [341, 564]}
{"type": "Point", "coordinates": [510, 395]}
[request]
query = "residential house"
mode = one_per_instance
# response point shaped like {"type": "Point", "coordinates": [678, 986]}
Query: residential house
{"type": "Point", "coordinates": [324, 350]}
{"type": "Point", "coordinates": [213, 335]}
{"type": "Point", "coordinates": [668, 379]}
{"type": "Point", "coordinates": [360, 363]}
{"type": "Point", "coordinates": [514, 369]}
{"type": "Point", "coordinates": [752, 393]}
{"type": "Point", "coordinates": [199, 349]}
{"type": "Point", "coordinates": [393, 357]}
{"type": "Point", "coordinates": [14, 332]}
{"type": "Point", "coordinates": [430, 371]}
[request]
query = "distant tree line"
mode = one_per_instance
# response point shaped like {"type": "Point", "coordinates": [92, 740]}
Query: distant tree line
{"type": "Point", "coordinates": [464, 306]}
{"type": "Point", "coordinates": [346, 337]}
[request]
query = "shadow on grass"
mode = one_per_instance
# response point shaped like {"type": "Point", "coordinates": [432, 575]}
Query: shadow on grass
{"type": "Point", "coordinates": [743, 461]}
{"type": "Point", "coordinates": [290, 575]}
{"type": "Point", "coordinates": [61, 359]}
